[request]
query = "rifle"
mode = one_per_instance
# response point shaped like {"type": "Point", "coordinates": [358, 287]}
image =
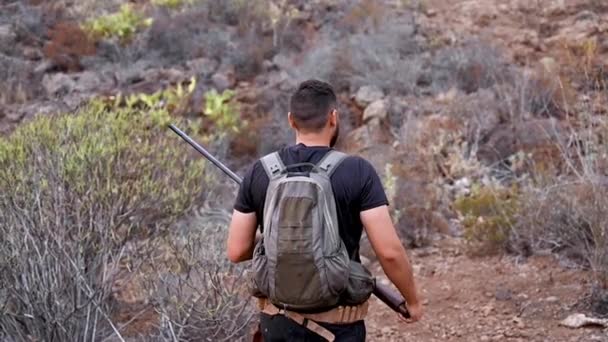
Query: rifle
{"type": "Point", "coordinates": [387, 295]}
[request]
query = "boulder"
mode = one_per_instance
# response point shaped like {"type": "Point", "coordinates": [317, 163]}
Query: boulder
{"type": "Point", "coordinates": [368, 94]}
{"type": "Point", "coordinates": [282, 61]}
{"type": "Point", "coordinates": [224, 78]}
{"type": "Point", "coordinates": [87, 81]}
{"type": "Point", "coordinates": [377, 110]}
{"type": "Point", "coordinates": [221, 81]}
{"type": "Point", "coordinates": [58, 84]}
{"type": "Point", "coordinates": [204, 66]}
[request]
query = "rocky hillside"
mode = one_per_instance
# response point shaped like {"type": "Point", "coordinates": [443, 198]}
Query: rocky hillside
{"type": "Point", "coordinates": [486, 119]}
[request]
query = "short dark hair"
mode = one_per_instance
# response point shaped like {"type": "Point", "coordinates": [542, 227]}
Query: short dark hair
{"type": "Point", "coordinates": [311, 104]}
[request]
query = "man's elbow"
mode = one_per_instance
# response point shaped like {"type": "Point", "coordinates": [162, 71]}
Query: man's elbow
{"type": "Point", "coordinates": [236, 255]}
{"type": "Point", "coordinates": [391, 255]}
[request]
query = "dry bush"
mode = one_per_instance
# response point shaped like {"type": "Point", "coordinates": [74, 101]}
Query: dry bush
{"type": "Point", "coordinates": [488, 216]}
{"type": "Point", "coordinates": [474, 65]}
{"type": "Point", "coordinates": [199, 293]}
{"type": "Point", "coordinates": [83, 197]}
{"type": "Point", "coordinates": [569, 218]}
{"type": "Point", "coordinates": [387, 57]}
{"type": "Point", "coordinates": [567, 213]}
{"type": "Point", "coordinates": [430, 155]}
{"type": "Point", "coordinates": [18, 83]}
{"type": "Point", "coordinates": [67, 44]}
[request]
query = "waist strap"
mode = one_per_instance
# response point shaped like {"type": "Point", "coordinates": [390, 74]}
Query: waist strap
{"type": "Point", "coordinates": [339, 315]}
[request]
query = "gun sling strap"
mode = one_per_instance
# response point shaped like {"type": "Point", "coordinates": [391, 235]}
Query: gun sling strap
{"type": "Point", "coordinates": [339, 315]}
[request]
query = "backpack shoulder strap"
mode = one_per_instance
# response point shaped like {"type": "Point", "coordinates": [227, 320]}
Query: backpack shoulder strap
{"type": "Point", "coordinates": [331, 160]}
{"type": "Point", "coordinates": [273, 165]}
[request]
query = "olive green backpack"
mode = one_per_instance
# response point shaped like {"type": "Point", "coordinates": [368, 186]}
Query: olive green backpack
{"type": "Point", "coordinates": [302, 263]}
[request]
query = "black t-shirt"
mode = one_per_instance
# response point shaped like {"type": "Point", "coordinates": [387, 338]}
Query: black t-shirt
{"type": "Point", "coordinates": [355, 183]}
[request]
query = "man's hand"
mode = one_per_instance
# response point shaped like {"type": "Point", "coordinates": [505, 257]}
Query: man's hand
{"type": "Point", "coordinates": [415, 310]}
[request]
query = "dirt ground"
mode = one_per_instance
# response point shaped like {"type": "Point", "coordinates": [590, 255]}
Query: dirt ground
{"type": "Point", "coordinates": [496, 298]}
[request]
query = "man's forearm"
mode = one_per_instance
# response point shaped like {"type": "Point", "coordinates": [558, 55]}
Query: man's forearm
{"type": "Point", "coordinates": [399, 271]}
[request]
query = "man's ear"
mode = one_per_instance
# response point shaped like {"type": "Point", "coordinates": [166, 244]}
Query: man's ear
{"type": "Point", "coordinates": [333, 118]}
{"type": "Point", "coordinates": [291, 121]}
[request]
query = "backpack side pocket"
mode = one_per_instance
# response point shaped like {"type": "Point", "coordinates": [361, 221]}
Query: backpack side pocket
{"type": "Point", "coordinates": [360, 284]}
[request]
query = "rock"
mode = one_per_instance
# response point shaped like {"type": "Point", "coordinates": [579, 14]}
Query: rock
{"type": "Point", "coordinates": [7, 35]}
{"type": "Point", "coordinates": [448, 96]}
{"type": "Point", "coordinates": [503, 294]}
{"type": "Point", "coordinates": [43, 67]}
{"type": "Point", "coordinates": [32, 54]}
{"type": "Point", "coordinates": [462, 186]}
{"type": "Point", "coordinates": [221, 81]}
{"type": "Point", "coordinates": [368, 94]}
{"type": "Point", "coordinates": [277, 78]}
{"type": "Point", "coordinates": [519, 322]}
{"type": "Point", "coordinates": [173, 75]}
{"type": "Point", "coordinates": [58, 84]}
{"type": "Point", "coordinates": [552, 299]}
{"type": "Point", "coordinates": [204, 66]}
{"type": "Point", "coordinates": [549, 64]}
{"type": "Point", "coordinates": [224, 77]}
{"type": "Point", "coordinates": [585, 15]}
{"type": "Point", "coordinates": [430, 12]}
{"type": "Point", "coordinates": [376, 110]}
{"type": "Point", "coordinates": [487, 309]}
{"type": "Point", "coordinates": [135, 73]}
{"type": "Point", "coordinates": [86, 81]}
{"type": "Point", "coordinates": [14, 116]}
{"type": "Point", "coordinates": [281, 61]}
{"type": "Point", "coordinates": [578, 320]}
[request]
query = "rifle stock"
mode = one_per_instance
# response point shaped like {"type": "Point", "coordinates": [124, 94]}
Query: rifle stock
{"type": "Point", "coordinates": [387, 295]}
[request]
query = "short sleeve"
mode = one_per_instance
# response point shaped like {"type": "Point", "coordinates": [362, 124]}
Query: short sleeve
{"type": "Point", "coordinates": [372, 193]}
{"type": "Point", "coordinates": [244, 200]}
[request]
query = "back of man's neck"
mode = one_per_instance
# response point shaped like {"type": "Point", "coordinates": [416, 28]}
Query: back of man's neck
{"type": "Point", "coordinates": [312, 141]}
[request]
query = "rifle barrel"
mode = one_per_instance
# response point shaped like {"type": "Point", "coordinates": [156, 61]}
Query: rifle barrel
{"type": "Point", "coordinates": [208, 155]}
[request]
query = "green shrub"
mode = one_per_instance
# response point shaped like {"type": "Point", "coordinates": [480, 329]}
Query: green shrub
{"type": "Point", "coordinates": [122, 24]}
{"type": "Point", "coordinates": [488, 216]}
{"type": "Point", "coordinates": [76, 192]}
{"type": "Point", "coordinates": [172, 4]}
{"type": "Point", "coordinates": [222, 111]}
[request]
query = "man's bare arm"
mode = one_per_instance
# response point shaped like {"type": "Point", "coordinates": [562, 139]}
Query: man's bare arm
{"type": "Point", "coordinates": [241, 236]}
{"type": "Point", "coordinates": [390, 252]}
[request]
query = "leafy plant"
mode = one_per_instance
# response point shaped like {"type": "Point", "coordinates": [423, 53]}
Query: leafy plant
{"type": "Point", "coordinates": [171, 99]}
{"type": "Point", "coordinates": [222, 111]}
{"type": "Point", "coordinates": [173, 4]}
{"type": "Point", "coordinates": [122, 24]}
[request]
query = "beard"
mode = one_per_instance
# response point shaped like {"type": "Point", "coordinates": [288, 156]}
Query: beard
{"type": "Point", "coordinates": [334, 138]}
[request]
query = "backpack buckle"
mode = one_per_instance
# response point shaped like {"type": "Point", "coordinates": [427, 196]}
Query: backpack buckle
{"type": "Point", "coordinates": [274, 168]}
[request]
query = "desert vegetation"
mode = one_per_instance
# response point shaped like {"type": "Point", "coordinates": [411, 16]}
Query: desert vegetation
{"type": "Point", "coordinates": [487, 124]}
